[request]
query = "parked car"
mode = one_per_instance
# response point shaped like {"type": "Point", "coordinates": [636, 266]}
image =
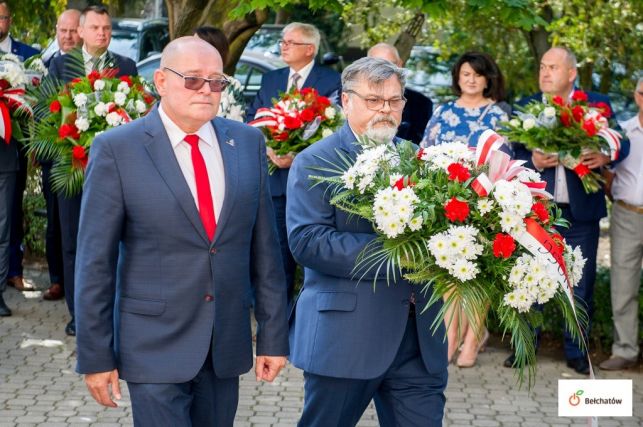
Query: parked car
{"type": "Point", "coordinates": [249, 70]}
{"type": "Point", "coordinates": [429, 74]}
{"type": "Point", "coordinates": [132, 37]}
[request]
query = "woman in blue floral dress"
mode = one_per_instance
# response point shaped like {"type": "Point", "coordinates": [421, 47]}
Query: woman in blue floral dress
{"type": "Point", "coordinates": [479, 85]}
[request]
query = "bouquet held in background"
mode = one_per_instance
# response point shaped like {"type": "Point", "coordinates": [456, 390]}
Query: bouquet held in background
{"type": "Point", "coordinates": [475, 226]}
{"type": "Point", "coordinates": [82, 109]}
{"type": "Point", "coordinates": [569, 129]}
{"type": "Point", "coordinates": [297, 119]}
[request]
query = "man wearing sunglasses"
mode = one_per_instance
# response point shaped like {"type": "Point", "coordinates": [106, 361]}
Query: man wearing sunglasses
{"type": "Point", "coordinates": [340, 323]}
{"type": "Point", "coordinates": [299, 45]}
{"type": "Point", "coordinates": [95, 28]}
{"type": "Point", "coordinates": [176, 225]}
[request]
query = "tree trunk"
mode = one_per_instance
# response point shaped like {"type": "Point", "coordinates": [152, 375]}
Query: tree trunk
{"type": "Point", "coordinates": [585, 75]}
{"type": "Point", "coordinates": [606, 78]}
{"type": "Point", "coordinates": [186, 15]}
{"type": "Point", "coordinates": [538, 37]}
{"type": "Point", "coordinates": [406, 39]}
{"type": "Point", "coordinates": [282, 17]}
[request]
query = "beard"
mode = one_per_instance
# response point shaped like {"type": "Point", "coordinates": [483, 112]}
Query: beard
{"type": "Point", "coordinates": [384, 133]}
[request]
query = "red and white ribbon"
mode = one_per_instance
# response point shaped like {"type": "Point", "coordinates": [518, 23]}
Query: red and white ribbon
{"type": "Point", "coordinates": [612, 137]}
{"type": "Point", "coordinates": [488, 142]}
{"type": "Point", "coordinates": [11, 100]}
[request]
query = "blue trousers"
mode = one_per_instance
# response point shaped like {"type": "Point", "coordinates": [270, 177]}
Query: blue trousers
{"type": "Point", "coordinates": [279, 205]}
{"type": "Point", "coordinates": [204, 401]}
{"type": "Point", "coordinates": [405, 395]}
{"type": "Point", "coordinates": [7, 184]}
{"type": "Point", "coordinates": [53, 244]}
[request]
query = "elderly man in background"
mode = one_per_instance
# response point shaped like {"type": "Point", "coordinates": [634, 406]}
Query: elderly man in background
{"type": "Point", "coordinates": [339, 324]}
{"type": "Point", "coordinates": [68, 39]}
{"type": "Point", "coordinates": [626, 244]}
{"type": "Point", "coordinates": [418, 109]}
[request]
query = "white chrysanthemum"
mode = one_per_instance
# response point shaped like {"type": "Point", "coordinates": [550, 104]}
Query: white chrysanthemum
{"type": "Point", "coordinates": [368, 164]}
{"type": "Point", "coordinates": [438, 245]}
{"type": "Point", "coordinates": [330, 112]}
{"type": "Point", "coordinates": [123, 87]}
{"type": "Point", "coordinates": [99, 84]}
{"type": "Point", "coordinates": [80, 100]}
{"type": "Point", "coordinates": [575, 263]}
{"type": "Point", "coordinates": [392, 206]}
{"type": "Point", "coordinates": [415, 223]}
{"type": "Point", "coordinates": [100, 109]}
{"type": "Point", "coordinates": [464, 270]}
{"type": "Point", "coordinates": [120, 98]}
{"type": "Point", "coordinates": [529, 175]}
{"type": "Point", "coordinates": [485, 205]}
{"type": "Point", "coordinates": [113, 119]}
{"type": "Point", "coordinates": [141, 107]}
{"type": "Point", "coordinates": [82, 124]}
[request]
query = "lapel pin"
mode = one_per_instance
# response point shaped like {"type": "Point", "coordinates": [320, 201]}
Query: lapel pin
{"type": "Point", "coordinates": [230, 142]}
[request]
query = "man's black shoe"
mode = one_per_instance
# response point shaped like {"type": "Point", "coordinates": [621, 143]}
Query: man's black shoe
{"type": "Point", "coordinates": [509, 361]}
{"type": "Point", "coordinates": [4, 310]}
{"type": "Point", "coordinates": [579, 364]}
{"type": "Point", "coordinates": [70, 329]}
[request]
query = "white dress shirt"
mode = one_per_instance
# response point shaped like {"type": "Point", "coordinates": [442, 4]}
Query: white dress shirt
{"type": "Point", "coordinates": [561, 193]}
{"type": "Point", "coordinates": [628, 180]}
{"type": "Point", "coordinates": [304, 73]}
{"type": "Point", "coordinates": [209, 147]}
{"type": "Point", "coordinates": [5, 45]}
{"type": "Point", "coordinates": [87, 57]}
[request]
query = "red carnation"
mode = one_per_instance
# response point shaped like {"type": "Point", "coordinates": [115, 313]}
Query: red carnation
{"type": "Point", "coordinates": [78, 152]}
{"type": "Point", "coordinates": [456, 210]}
{"type": "Point", "coordinates": [590, 128]}
{"type": "Point", "coordinates": [604, 109]}
{"type": "Point", "coordinates": [578, 112]}
{"type": "Point", "coordinates": [420, 153]}
{"type": "Point", "coordinates": [579, 96]}
{"type": "Point", "coordinates": [149, 99]}
{"type": "Point", "coordinates": [55, 106]}
{"type": "Point", "coordinates": [323, 101]}
{"type": "Point", "coordinates": [127, 79]}
{"type": "Point", "coordinates": [558, 100]}
{"type": "Point", "coordinates": [458, 172]}
{"type": "Point", "coordinates": [306, 91]}
{"type": "Point", "coordinates": [76, 80]}
{"type": "Point", "coordinates": [307, 115]}
{"type": "Point", "coordinates": [503, 245]}
{"type": "Point", "coordinates": [581, 170]}
{"type": "Point", "coordinates": [280, 136]}
{"type": "Point", "coordinates": [565, 118]}
{"type": "Point", "coordinates": [68, 130]}
{"type": "Point", "coordinates": [292, 122]}
{"type": "Point", "coordinates": [403, 182]}
{"type": "Point", "coordinates": [35, 81]}
{"type": "Point", "coordinates": [541, 212]}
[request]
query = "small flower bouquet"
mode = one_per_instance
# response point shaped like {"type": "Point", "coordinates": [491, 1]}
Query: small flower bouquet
{"type": "Point", "coordinates": [84, 108]}
{"type": "Point", "coordinates": [232, 104]}
{"type": "Point", "coordinates": [476, 226]}
{"type": "Point", "coordinates": [15, 103]}
{"type": "Point", "coordinates": [298, 119]}
{"type": "Point", "coordinates": [569, 129]}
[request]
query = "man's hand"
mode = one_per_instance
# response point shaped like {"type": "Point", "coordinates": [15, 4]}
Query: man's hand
{"type": "Point", "coordinates": [594, 160]}
{"type": "Point", "coordinates": [98, 385]}
{"type": "Point", "coordinates": [542, 160]}
{"type": "Point", "coordinates": [282, 162]}
{"type": "Point", "coordinates": [268, 367]}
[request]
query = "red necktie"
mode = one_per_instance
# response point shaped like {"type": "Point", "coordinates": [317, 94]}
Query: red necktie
{"type": "Point", "coordinates": [204, 195]}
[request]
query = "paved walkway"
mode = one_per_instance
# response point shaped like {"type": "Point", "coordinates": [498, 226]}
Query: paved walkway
{"type": "Point", "coordinates": [38, 386]}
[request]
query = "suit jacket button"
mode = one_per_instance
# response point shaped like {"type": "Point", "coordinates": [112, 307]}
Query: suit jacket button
{"type": "Point", "coordinates": [213, 251]}
{"type": "Point", "coordinates": [208, 298]}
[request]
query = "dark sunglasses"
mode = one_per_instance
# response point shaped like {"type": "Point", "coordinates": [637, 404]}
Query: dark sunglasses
{"type": "Point", "coordinates": [195, 83]}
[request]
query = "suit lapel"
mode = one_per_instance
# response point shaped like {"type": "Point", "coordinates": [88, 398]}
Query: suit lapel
{"type": "Point", "coordinates": [312, 78]}
{"type": "Point", "coordinates": [282, 82]}
{"type": "Point", "coordinates": [230, 157]}
{"type": "Point", "coordinates": [160, 151]}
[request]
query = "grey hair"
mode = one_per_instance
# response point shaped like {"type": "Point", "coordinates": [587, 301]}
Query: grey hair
{"type": "Point", "coordinates": [374, 70]}
{"type": "Point", "coordinates": [570, 58]}
{"type": "Point", "coordinates": [384, 46]}
{"type": "Point", "coordinates": [310, 33]}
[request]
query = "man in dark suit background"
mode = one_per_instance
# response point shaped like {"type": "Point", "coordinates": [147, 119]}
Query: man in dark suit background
{"type": "Point", "coordinates": [8, 171]}
{"type": "Point", "coordinates": [14, 276]}
{"type": "Point", "coordinates": [358, 341]}
{"type": "Point", "coordinates": [299, 46]}
{"type": "Point", "coordinates": [176, 227]}
{"type": "Point", "coordinates": [418, 109]}
{"type": "Point", "coordinates": [68, 39]}
{"type": "Point", "coordinates": [583, 211]}
{"type": "Point", "coordinates": [95, 29]}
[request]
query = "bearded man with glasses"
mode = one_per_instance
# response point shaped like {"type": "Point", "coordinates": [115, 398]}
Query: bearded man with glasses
{"type": "Point", "coordinates": [339, 324]}
{"type": "Point", "coordinates": [299, 45]}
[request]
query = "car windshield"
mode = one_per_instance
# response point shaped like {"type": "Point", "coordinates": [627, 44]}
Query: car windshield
{"type": "Point", "coordinates": [265, 41]}
{"type": "Point", "coordinates": [124, 43]}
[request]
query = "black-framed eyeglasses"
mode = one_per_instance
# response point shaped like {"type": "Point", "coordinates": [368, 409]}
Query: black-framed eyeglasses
{"type": "Point", "coordinates": [375, 103]}
{"type": "Point", "coordinates": [289, 43]}
{"type": "Point", "coordinates": [217, 84]}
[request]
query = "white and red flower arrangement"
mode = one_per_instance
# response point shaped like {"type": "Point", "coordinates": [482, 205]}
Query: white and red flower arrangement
{"type": "Point", "coordinates": [84, 108]}
{"type": "Point", "coordinates": [568, 129]}
{"type": "Point", "coordinates": [297, 119]}
{"type": "Point", "coordinates": [475, 225]}
{"type": "Point", "coordinates": [16, 106]}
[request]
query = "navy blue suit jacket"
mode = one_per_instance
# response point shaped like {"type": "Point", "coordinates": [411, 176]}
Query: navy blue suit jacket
{"type": "Point", "coordinates": [415, 116]}
{"type": "Point", "coordinates": [341, 327]}
{"type": "Point", "coordinates": [152, 292]}
{"type": "Point", "coordinates": [23, 50]}
{"type": "Point", "coordinates": [328, 83]}
{"type": "Point", "coordinates": [59, 66]}
{"type": "Point", "coordinates": [584, 207]}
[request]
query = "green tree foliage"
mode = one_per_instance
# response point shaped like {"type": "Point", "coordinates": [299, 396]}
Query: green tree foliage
{"type": "Point", "coordinates": [34, 21]}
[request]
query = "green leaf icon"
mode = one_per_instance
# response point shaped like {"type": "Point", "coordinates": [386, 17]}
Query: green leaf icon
{"type": "Point", "coordinates": [579, 392]}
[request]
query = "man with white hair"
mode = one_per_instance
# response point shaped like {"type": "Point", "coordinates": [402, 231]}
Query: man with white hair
{"type": "Point", "coordinates": [626, 245]}
{"type": "Point", "coordinates": [418, 109]}
{"type": "Point", "coordinates": [299, 46]}
{"type": "Point", "coordinates": [339, 324]}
